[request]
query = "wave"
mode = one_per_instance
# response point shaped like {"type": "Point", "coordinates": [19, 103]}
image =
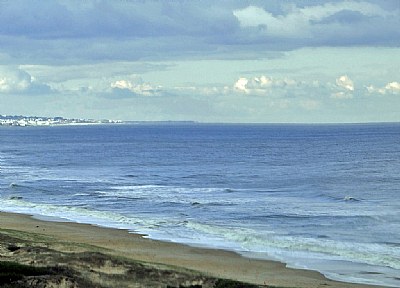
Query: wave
{"type": "Point", "coordinates": [27, 187]}
{"type": "Point", "coordinates": [340, 198]}
{"type": "Point", "coordinates": [81, 194]}
{"type": "Point", "coordinates": [350, 198]}
{"type": "Point", "coordinates": [78, 214]}
{"type": "Point", "coordinates": [14, 185]}
{"type": "Point", "coordinates": [277, 245]}
{"type": "Point", "coordinates": [171, 194]}
{"type": "Point", "coordinates": [245, 240]}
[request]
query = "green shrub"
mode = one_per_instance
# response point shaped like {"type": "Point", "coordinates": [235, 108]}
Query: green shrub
{"type": "Point", "coordinates": [224, 283]}
{"type": "Point", "coordinates": [12, 271]}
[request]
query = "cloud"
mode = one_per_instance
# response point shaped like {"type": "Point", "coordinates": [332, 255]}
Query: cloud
{"type": "Point", "coordinates": [308, 94]}
{"type": "Point", "coordinates": [59, 19]}
{"type": "Point", "coordinates": [345, 82]}
{"type": "Point", "coordinates": [298, 21]}
{"type": "Point", "coordinates": [393, 87]}
{"type": "Point", "coordinates": [345, 17]}
{"type": "Point", "coordinates": [389, 88]}
{"type": "Point", "coordinates": [240, 84]}
{"type": "Point", "coordinates": [333, 23]}
{"type": "Point", "coordinates": [62, 31]}
{"type": "Point", "coordinates": [15, 80]}
{"type": "Point", "coordinates": [264, 85]}
{"type": "Point", "coordinates": [135, 87]}
{"type": "Point", "coordinates": [69, 31]}
{"type": "Point", "coordinates": [343, 89]}
{"type": "Point", "coordinates": [269, 24]}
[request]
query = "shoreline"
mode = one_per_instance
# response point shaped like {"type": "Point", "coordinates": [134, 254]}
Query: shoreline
{"type": "Point", "coordinates": [210, 262]}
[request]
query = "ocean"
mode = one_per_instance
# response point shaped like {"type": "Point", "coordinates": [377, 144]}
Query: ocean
{"type": "Point", "coordinates": [318, 197]}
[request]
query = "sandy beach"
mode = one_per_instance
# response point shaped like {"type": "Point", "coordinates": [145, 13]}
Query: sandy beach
{"type": "Point", "coordinates": [73, 239]}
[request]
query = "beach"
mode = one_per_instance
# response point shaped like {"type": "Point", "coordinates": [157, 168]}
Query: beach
{"type": "Point", "coordinates": [73, 239]}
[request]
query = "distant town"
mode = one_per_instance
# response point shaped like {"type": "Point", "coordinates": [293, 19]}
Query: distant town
{"type": "Point", "coordinates": [23, 121]}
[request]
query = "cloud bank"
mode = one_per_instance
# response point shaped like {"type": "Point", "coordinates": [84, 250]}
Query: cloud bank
{"type": "Point", "coordinates": [389, 88]}
{"type": "Point", "coordinates": [134, 87]}
{"type": "Point", "coordinates": [70, 31]}
{"type": "Point", "coordinates": [14, 80]}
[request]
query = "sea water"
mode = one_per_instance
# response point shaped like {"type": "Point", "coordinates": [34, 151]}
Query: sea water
{"type": "Point", "coordinates": [319, 197]}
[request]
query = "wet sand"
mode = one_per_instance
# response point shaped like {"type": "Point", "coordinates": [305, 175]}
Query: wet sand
{"type": "Point", "coordinates": [67, 237]}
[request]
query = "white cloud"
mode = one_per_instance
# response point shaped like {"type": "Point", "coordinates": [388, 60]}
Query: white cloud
{"type": "Point", "coordinates": [261, 82]}
{"type": "Point", "coordinates": [343, 89]}
{"type": "Point", "coordinates": [15, 80]}
{"type": "Point", "coordinates": [262, 85]}
{"type": "Point", "coordinates": [241, 84]}
{"type": "Point", "coordinates": [136, 86]}
{"type": "Point", "coordinates": [345, 82]}
{"type": "Point", "coordinates": [389, 88]}
{"type": "Point", "coordinates": [288, 25]}
{"type": "Point", "coordinates": [393, 87]}
{"type": "Point", "coordinates": [122, 84]}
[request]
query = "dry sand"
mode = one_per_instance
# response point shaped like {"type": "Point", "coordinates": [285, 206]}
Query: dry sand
{"type": "Point", "coordinates": [216, 263]}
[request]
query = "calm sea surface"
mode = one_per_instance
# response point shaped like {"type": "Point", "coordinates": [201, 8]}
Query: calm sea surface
{"type": "Point", "coordinates": [321, 197]}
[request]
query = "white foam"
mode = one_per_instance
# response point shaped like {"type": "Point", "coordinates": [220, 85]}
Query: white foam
{"type": "Point", "coordinates": [283, 245]}
{"type": "Point", "coordinates": [77, 214]}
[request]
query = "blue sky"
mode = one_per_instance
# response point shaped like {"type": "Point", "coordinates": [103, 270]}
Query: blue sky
{"type": "Point", "coordinates": [210, 61]}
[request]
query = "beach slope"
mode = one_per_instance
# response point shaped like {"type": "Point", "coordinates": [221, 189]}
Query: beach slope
{"type": "Point", "coordinates": [81, 255]}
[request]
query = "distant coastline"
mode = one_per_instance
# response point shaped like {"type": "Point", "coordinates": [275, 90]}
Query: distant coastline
{"type": "Point", "coordinates": [23, 121]}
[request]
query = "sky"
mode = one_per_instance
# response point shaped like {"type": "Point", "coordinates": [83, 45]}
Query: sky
{"type": "Point", "coordinates": [247, 61]}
